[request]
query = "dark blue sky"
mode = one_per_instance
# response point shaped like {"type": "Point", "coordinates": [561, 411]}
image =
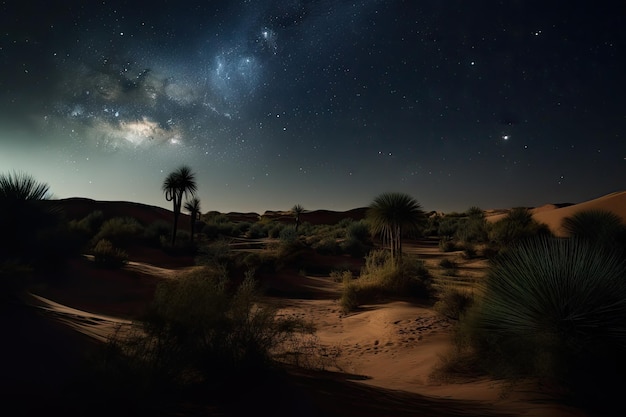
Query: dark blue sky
{"type": "Point", "coordinates": [322, 103]}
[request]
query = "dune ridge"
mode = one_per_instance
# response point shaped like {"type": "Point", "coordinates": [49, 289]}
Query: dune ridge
{"type": "Point", "coordinates": [552, 215]}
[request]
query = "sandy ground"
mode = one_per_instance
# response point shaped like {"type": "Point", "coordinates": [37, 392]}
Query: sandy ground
{"type": "Point", "coordinates": [393, 346]}
{"type": "Point", "coordinates": [378, 360]}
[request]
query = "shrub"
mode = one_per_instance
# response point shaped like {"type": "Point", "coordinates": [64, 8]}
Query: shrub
{"type": "Point", "coordinates": [449, 266]}
{"type": "Point", "coordinates": [202, 328]}
{"type": "Point", "coordinates": [446, 245]}
{"type": "Point", "coordinates": [107, 256]}
{"type": "Point", "coordinates": [217, 252]}
{"type": "Point", "coordinates": [448, 226]}
{"type": "Point", "coordinates": [327, 246]}
{"type": "Point", "coordinates": [341, 276]}
{"type": "Point", "coordinates": [599, 226]}
{"type": "Point", "coordinates": [382, 277]}
{"type": "Point", "coordinates": [349, 299]}
{"type": "Point", "coordinates": [354, 247]}
{"type": "Point", "coordinates": [157, 229]}
{"type": "Point", "coordinates": [555, 310]}
{"type": "Point", "coordinates": [359, 231]}
{"type": "Point", "coordinates": [469, 251]}
{"type": "Point", "coordinates": [453, 302]}
{"type": "Point", "coordinates": [517, 225]}
{"type": "Point", "coordinates": [274, 231]}
{"type": "Point", "coordinates": [288, 235]}
{"type": "Point", "coordinates": [119, 230]}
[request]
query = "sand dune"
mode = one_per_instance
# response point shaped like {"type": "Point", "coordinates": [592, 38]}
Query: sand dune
{"type": "Point", "coordinates": [552, 215]}
{"type": "Point", "coordinates": [614, 202]}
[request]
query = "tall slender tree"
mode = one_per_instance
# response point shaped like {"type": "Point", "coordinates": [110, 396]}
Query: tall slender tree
{"type": "Point", "coordinates": [296, 211]}
{"type": "Point", "coordinates": [193, 207]}
{"type": "Point", "coordinates": [392, 215]}
{"type": "Point", "coordinates": [177, 185]}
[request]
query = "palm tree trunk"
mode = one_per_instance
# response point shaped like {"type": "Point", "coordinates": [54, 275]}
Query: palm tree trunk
{"type": "Point", "coordinates": [177, 201]}
{"type": "Point", "coordinates": [193, 225]}
{"type": "Point", "coordinates": [399, 244]}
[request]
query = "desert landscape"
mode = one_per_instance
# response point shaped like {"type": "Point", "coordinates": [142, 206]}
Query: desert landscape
{"type": "Point", "coordinates": [383, 357]}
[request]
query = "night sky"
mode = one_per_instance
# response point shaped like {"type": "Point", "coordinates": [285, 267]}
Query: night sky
{"type": "Point", "coordinates": [324, 103]}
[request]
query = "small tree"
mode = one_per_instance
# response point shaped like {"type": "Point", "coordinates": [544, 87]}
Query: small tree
{"type": "Point", "coordinates": [193, 207]}
{"type": "Point", "coordinates": [297, 210]}
{"type": "Point", "coordinates": [392, 215]}
{"type": "Point", "coordinates": [176, 185]}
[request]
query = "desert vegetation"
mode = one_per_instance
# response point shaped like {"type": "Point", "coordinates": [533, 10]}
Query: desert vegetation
{"type": "Point", "coordinates": [550, 310]}
{"type": "Point", "coordinates": [523, 304]}
{"type": "Point", "coordinates": [177, 185]}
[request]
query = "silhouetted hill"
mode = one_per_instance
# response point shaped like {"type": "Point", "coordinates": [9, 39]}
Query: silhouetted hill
{"type": "Point", "coordinates": [77, 208]}
{"type": "Point", "coordinates": [315, 217]}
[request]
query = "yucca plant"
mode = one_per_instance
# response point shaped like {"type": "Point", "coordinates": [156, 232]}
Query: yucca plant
{"type": "Point", "coordinates": [600, 226]}
{"type": "Point", "coordinates": [554, 309]}
{"type": "Point", "coordinates": [29, 227]}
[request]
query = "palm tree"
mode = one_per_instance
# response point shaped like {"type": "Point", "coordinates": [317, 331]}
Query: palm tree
{"type": "Point", "coordinates": [176, 185]}
{"type": "Point", "coordinates": [297, 210]}
{"type": "Point", "coordinates": [193, 207]}
{"type": "Point", "coordinates": [393, 214]}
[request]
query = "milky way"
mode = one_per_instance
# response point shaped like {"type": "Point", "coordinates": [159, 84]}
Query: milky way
{"type": "Point", "coordinates": [323, 103]}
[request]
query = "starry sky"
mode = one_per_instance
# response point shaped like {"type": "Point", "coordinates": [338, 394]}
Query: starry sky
{"type": "Point", "coordinates": [323, 103]}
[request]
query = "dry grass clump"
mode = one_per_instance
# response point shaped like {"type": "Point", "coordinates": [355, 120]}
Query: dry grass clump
{"type": "Point", "coordinates": [382, 276]}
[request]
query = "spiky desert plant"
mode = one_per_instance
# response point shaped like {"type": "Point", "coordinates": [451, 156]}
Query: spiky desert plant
{"type": "Point", "coordinates": [600, 226]}
{"type": "Point", "coordinates": [176, 185]}
{"type": "Point", "coordinates": [392, 215]}
{"type": "Point", "coordinates": [19, 186]}
{"type": "Point", "coordinates": [554, 309]}
{"type": "Point", "coordinates": [26, 223]}
{"type": "Point", "coordinates": [297, 211]}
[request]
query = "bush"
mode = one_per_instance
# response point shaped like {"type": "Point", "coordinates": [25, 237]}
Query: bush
{"type": "Point", "coordinates": [327, 246]}
{"type": "Point", "coordinates": [359, 231]}
{"type": "Point", "coordinates": [449, 266]}
{"type": "Point", "coordinates": [354, 247]}
{"type": "Point", "coordinates": [119, 230]}
{"type": "Point", "coordinates": [469, 251]}
{"type": "Point", "coordinates": [107, 256]}
{"type": "Point", "coordinates": [554, 310]}
{"type": "Point", "coordinates": [602, 227]}
{"type": "Point", "coordinates": [349, 300]}
{"type": "Point", "coordinates": [446, 245]}
{"type": "Point", "coordinates": [288, 235]}
{"type": "Point", "coordinates": [453, 302]}
{"type": "Point", "coordinates": [217, 252]}
{"type": "Point", "coordinates": [157, 229]}
{"type": "Point", "coordinates": [381, 277]}
{"type": "Point", "coordinates": [341, 276]}
{"type": "Point", "coordinates": [274, 231]}
{"type": "Point", "coordinates": [516, 226]}
{"type": "Point", "coordinates": [202, 328]}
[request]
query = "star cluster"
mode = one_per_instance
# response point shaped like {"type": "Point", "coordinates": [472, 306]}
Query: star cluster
{"type": "Point", "coordinates": [321, 102]}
